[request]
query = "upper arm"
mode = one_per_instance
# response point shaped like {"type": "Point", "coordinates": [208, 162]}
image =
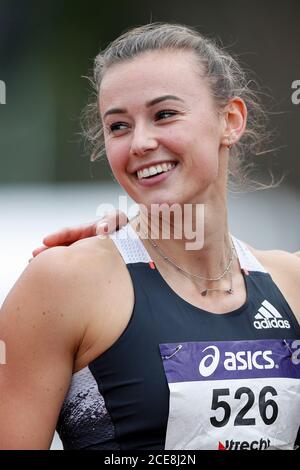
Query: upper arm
{"type": "Point", "coordinates": [40, 338]}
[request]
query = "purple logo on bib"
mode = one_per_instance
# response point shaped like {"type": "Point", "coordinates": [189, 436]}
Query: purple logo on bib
{"type": "Point", "coordinates": [194, 361]}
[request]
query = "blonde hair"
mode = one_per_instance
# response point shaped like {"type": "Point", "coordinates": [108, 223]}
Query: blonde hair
{"type": "Point", "coordinates": [224, 75]}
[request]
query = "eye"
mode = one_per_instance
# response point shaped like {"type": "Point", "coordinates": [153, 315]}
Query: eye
{"type": "Point", "coordinates": [117, 126]}
{"type": "Point", "coordinates": [164, 114]}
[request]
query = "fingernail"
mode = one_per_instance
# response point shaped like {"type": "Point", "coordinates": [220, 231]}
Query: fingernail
{"type": "Point", "coordinates": [103, 227]}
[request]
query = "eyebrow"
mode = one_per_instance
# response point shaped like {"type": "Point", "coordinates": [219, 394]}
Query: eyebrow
{"type": "Point", "coordinates": [148, 104]}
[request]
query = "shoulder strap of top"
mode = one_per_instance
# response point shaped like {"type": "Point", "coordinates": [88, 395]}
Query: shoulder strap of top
{"type": "Point", "coordinates": [132, 249]}
{"type": "Point", "coordinates": [247, 260]}
{"type": "Point", "coordinates": [130, 246]}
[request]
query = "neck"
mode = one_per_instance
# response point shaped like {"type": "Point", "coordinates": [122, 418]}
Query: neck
{"type": "Point", "coordinates": [207, 254]}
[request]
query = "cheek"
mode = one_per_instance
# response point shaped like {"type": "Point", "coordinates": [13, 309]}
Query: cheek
{"type": "Point", "coordinates": [117, 155]}
{"type": "Point", "coordinates": [207, 139]}
{"type": "Point", "coordinates": [175, 141]}
{"type": "Point", "coordinates": [204, 150]}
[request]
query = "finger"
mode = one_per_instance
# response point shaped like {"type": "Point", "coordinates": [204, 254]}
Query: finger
{"type": "Point", "coordinates": [297, 253]}
{"type": "Point", "coordinates": [67, 236]}
{"type": "Point", "coordinates": [102, 228]}
{"type": "Point", "coordinates": [111, 222]}
{"type": "Point", "coordinates": [38, 250]}
{"type": "Point", "coordinates": [122, 219]}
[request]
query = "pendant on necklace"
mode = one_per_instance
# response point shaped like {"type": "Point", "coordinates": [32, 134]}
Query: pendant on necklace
{"type": "Point", "coordinates": [229, 291]}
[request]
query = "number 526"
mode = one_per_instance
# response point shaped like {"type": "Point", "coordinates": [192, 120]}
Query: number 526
{"type": "Point", "coordinates": [240, 419]}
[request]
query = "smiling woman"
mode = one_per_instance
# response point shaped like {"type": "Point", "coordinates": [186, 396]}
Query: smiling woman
{"type": "Point", "coordinates": [129, 343]}
{"type": "Point", "coordinates": [222, 73]}
{"type": "Point", "coordinates": [158, 127]}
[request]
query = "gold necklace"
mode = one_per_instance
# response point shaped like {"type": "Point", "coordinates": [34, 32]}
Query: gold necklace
{"type": "Point", "coordinates": [197, 276]}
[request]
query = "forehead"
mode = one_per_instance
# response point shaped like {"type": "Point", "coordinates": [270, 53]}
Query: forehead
{"type": "Point", "coordinates": [151, 74]}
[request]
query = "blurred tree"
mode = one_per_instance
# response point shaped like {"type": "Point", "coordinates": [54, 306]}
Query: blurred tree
{"type": "Point", "coordinates": [47, 47]}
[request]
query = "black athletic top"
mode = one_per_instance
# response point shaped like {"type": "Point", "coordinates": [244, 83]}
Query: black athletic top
{"type": "Point", "coordinates": [247, 358]}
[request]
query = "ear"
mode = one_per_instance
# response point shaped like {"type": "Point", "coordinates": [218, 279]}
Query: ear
{"type": "Point", "coordinates": [234, 119]}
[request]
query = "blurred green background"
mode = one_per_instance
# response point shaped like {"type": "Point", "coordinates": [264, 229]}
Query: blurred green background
{"type": "Point", "coordinates": [47, 46]}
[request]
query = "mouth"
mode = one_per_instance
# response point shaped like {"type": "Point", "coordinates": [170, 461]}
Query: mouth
{"type": "Point", "coordinates": [155, 173]}
{"type": "Point", "coordinates": [154, 170]}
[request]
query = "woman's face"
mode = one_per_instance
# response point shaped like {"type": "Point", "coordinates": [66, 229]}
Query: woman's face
{"type": "Point", "coordinates": [157, 112]}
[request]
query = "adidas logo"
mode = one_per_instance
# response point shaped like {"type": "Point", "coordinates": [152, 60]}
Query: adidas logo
{"type": "Point", "coordinates": [269, 317]}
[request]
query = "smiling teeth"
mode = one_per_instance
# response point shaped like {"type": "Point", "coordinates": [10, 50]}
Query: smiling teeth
{"type": "Point", "coordinates": [155, 170]}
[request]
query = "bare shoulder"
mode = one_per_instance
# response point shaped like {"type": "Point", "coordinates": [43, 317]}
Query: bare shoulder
{"type": "Point", "coordinates": [283, 261]}
{"type": "Point", "coordinates": [56, 265]}
{"type": "Point", "coordinates": [37, 301]}
{"type": "Point", "coordinates": [56, 281]}
{"type": "Point", "coordinates": [73, 263]}
{"type": "Point", "coordinates": [284, 267]}
{"type": "Point", "coordinates": [94, 259]}
{"type": "Point", "coordinates": [101, 247]}
{"type": "Point", "coordinates": [54, 295]}
{"type": "Point", "coordinates": [42, 324]}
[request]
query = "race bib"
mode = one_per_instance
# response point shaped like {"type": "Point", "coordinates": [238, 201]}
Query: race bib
{"type": "Point", "coordinates": [233, 395]}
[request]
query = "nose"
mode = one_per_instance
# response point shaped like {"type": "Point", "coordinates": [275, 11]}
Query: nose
{"type": "Point", "coordinates": [143, 141]}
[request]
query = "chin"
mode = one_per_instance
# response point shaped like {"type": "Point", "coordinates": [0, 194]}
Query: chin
{"type": "Point", "coordinates": [161, 206]}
